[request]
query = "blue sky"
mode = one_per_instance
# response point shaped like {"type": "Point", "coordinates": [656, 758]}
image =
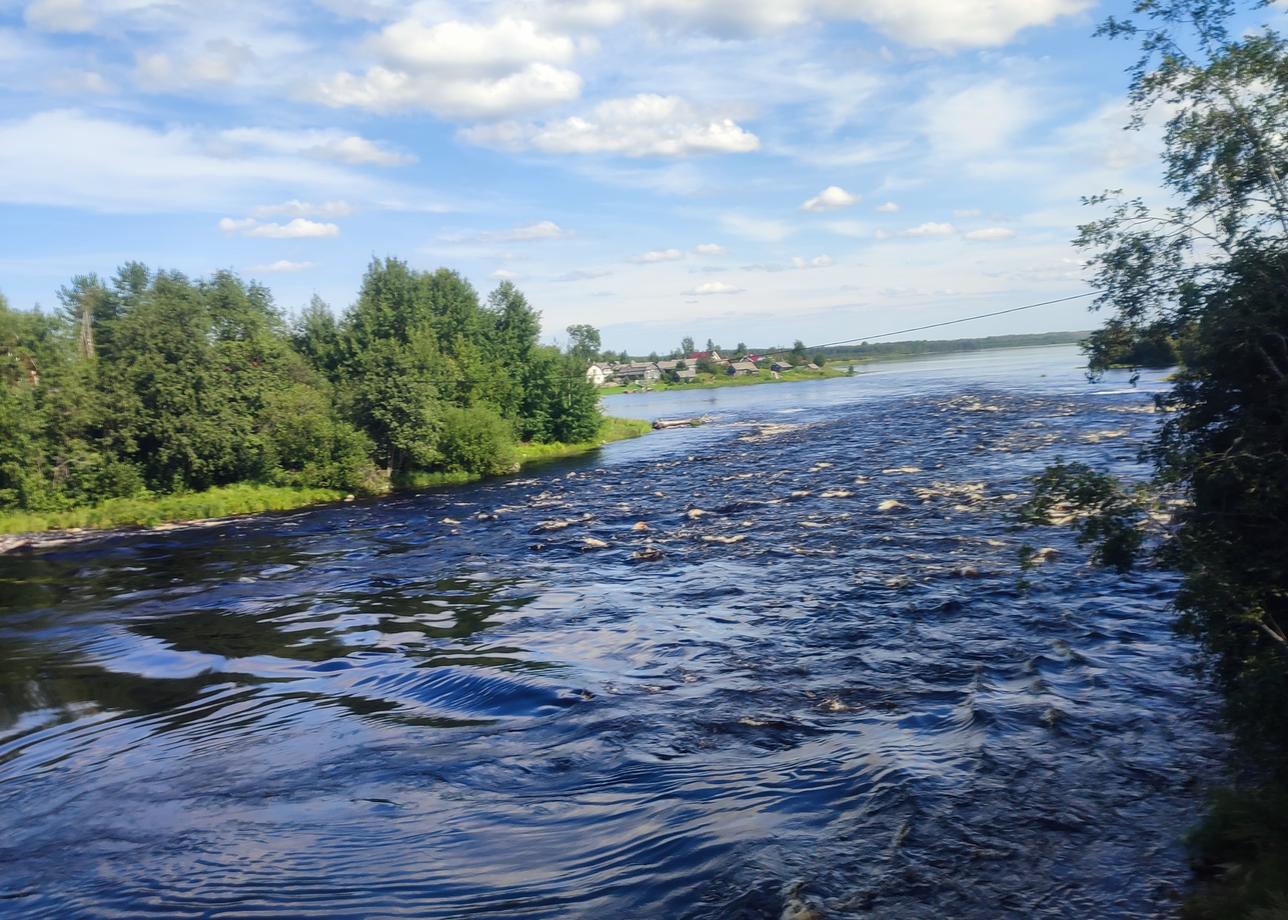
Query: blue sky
{"type": "Point", "coordinates": [761, 170]}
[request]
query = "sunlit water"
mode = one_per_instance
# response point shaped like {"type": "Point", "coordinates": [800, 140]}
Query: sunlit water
{"type": "Point", "coordinates": [449, 705]}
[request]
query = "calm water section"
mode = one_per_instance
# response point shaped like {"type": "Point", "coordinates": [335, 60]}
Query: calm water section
{"type": "Point", "coordinates": [814, 666]}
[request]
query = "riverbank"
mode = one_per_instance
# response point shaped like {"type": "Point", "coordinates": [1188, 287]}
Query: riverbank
{"type": "Point", "coordinates": [715, 381]}
{"type": "Point", "coordinates": [18, 528]}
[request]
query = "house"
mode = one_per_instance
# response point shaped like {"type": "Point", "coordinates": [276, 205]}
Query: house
{"type": "Point", "coordinates": [712, 356]}
{"type": "Point", "coordinates": [669, 364]}
{"type": "Point", "coordinates": [811, 366]}
{"type": "Point", "coordinates": [780, 366]}
{"type": "Point", "coordinates": [641, 372]}
{"type": "Point", "coordinates": [742, 369]}
{"type": "Point", "coordinates": [686, 374]}
{"type": "Point", "coordinates": [599, 373]}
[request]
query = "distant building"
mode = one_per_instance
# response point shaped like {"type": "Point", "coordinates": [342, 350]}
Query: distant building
{"type": "Point", "coordinates": [645, 372]}
{"type": "Point", "coordinates": [742, 369]}
{"type": "Point", "coordinates": [669, 364]}
{"type": "Point", "coordinates": [780, 366]}
{"type": "Point", "coordinates": [598, 374]}
{"type": "Point", "coordinates": [686, 374]}
{"type": "Point", "coordinates": [712, 356]}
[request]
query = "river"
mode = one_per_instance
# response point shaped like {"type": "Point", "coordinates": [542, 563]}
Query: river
{"type": "Point", "coordinates": [454, 705]}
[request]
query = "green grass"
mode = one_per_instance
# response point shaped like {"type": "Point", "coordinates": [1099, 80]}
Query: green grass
{"type": "Point", "coordinates": [225, 501]}
{"type": "Point", "coordinates": [1241, 851]}
{"type": "Point", "coordinates": [249, 498]}
{"type": "Point", "coordinates": [715, 381]}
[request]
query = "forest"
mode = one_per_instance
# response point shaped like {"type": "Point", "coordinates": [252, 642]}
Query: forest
{"type": "Point", "coordinates": [153, 384]}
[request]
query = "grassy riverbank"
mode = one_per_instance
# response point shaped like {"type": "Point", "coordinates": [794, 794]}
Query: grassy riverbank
{"type": "Point", "coordinates": [714, 381]}
{"type": "Point", "coordinates": [253, 498]}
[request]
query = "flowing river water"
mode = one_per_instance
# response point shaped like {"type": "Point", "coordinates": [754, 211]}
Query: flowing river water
{"type": "Point", "coordinates": [509, 700]}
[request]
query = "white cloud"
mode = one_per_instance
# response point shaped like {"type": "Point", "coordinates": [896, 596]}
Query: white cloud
{"type": "Point", "coordinates": [81, 81]}
{"type": "Point", "coordinates": [831, 198]}
{"type": "Point", "coordinates": [470, 50]}
{"type": "Point", "coordinates": [889, 207]}
{"type": "Point", "coordinates": [967, 212]}
{"type": "Point", "coordinates": [709, 249]}
{"type": "Point", "coordinates": [460, 70]}
{"type": "Point", "coordinates": [931, 229]}
{"type": "Point", "coordinates": [756, 228]}
{"type": "Point", "coordinates": [659, 255]}
{"type": "Point", "coordinates": [383, 90]}
{"type": "Point", "coordinates": [940, 24]}
{"type": "Point", "coordinates": [580, 275]}
{"type": "Point", "coordinates": [816, 262]}
{"type": "Point", "coordinates": [60, 16]}
{"type": "Point", "coordinates": [542, 230]}
{"type": "Point", "coordinates": [646, 125]}
{"type": "Point", "coordinates": [504, 274]}
{"type": "Point", "coordinates": [714, 287]}
{"type": "Point", "coordinates": [219, 61]}
{"type": "Point", "coordinates": [352, 149]}
{"type": "Point", "coordinates": [281, 265]}
{"type": "Point", "coordinates": [988, 234]}
{"type": "Point", "coordinates": [978, 120]}
{"type": "Point", "coordinates": [67, 158]}
{"type": "Point", "coordinates": [296, 208]}
{"type": "Point", "coordinates": [951, 24]}
{"type": "Point", "coordinates": [299, 228]}
{"type": "Point", "coordinates": [848, 228]}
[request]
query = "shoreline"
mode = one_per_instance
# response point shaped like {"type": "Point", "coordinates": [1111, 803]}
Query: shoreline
{"type": "Point", "coordinates": [172, 512]}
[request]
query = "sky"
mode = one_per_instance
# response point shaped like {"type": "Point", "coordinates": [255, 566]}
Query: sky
{"type": "Point", "coordinates": [741, 170]}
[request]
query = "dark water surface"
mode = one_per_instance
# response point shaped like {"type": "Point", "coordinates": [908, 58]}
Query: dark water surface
{"type": "Point", "coordinates": [449, 705]}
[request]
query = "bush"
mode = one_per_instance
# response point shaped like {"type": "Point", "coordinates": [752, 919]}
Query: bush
{"type": "Point", "coordinates": [476, 440]}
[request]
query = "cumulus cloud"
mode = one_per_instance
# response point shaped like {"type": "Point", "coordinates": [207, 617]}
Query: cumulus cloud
{"type": "Point", "coordinates": [645, 125]}
{"type": "Point", "coordinates": [659, 255]}
{"type": "Point", "coordinates": [888, 207]}
{"type": "Point", "coordinates": [455, 48]}
{"type": "Point", "coordinates": [339, 146]}
{"type": "Point", "coordinates": [714, 287]}
{"type": "Point", "coordinates": [460, 70]}
{"type": "Point", "coordinates": [281, 265]}
{"type": "Point", "coordinates": [756, 228]}
{"type": "Point", "coordinates": [989, 234]}
{"type": "Point", "coordinates": [218, 61]}
{"type": "Point", "coordinates": [299, 228]}
{"type": "Point", "coordinates": [709, 249]}
{"type": "Point", "coordinates": [931, 229]}
{"type": "Point", "coordinates": [831, 198]}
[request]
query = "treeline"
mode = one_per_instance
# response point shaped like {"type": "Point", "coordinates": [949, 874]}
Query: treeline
{"type": "Point", "coordinates": [868, 350]}
{"type": "Point", "coordinates": [154, 383]}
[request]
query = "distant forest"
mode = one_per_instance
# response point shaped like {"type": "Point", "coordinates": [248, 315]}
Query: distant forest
{"type": "Point", "coordinates": [872, 350]}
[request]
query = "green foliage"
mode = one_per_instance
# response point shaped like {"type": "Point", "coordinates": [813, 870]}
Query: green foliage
{"type": "Point", "coordinates": [798, 354]}
{"type": "Point", "coordinates": [1206, 277]}
{"type": "Point", "coordinates": [155, 384]}
{"type": "Point", "coordinates": [1104, 513]}
{"type": "Point", "coordinates": [1241, 849]}
{"type": "Point", "coordinates": [476, 440]}
{"type": "Point", "coordinates": [584, 343]}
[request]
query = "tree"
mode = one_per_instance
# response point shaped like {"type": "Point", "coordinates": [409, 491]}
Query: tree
{"type": "Point", "coordinates": [653, 357]}
{"type": "Point", "coordinates": [741, 350]}
{"type": "Point", "coordinates": [687, 348]}
{"type": "Point", "coordinates": [1206, 275]}
{"type": "Point", "coordinates": [798, 354]}
{"type": "Point", "coordinates": [584, 344]}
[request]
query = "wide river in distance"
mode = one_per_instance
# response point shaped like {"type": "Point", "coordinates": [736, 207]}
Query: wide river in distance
{"type": "Point", "coordinates": [791, 651]}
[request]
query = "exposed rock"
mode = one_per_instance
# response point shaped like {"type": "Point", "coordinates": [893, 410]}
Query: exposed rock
{"type": "Point", "coordinates": [966, 571]}
{"type": "Point", "coordinates": [648, 554]}
{"type": "Point", "coordinates": [694, 513]}
{"type": "Point", "coordinates": [1045, 554]}
{"type": "Point", "coordinates": [890, 504]}
{"type": "Point", "coordinates": [838, 493]}
{"type": "Point", "coordinates": [451, 522]}
{"type": "Point", "coordinates": [640, 527]}
{"type": "Point", "coordinates": [799, 906]}
{"type": "Point", "coordinates": [593, 543]}
{"type": "Point", "coordinates": [717, 538]}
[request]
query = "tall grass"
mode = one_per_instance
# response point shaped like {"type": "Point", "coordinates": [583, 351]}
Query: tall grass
{"type": "Point", "coordinates": [224, 501]}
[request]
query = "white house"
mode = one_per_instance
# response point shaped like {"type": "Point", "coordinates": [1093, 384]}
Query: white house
{"type": "Point", "coordinates": [598, 373]}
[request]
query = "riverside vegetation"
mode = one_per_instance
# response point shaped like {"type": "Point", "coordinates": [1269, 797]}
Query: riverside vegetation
{"type": "Point", "coordinates": [153, 397]}
{"type": "Point", "coordinates": [1205, 278]}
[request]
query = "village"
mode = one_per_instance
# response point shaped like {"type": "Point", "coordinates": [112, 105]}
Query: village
{"type": "Point", "coordinates": [700, 368]}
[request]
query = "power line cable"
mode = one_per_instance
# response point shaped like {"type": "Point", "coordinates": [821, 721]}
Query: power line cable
{"type": "Point", "coordinates": [964, 319]}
